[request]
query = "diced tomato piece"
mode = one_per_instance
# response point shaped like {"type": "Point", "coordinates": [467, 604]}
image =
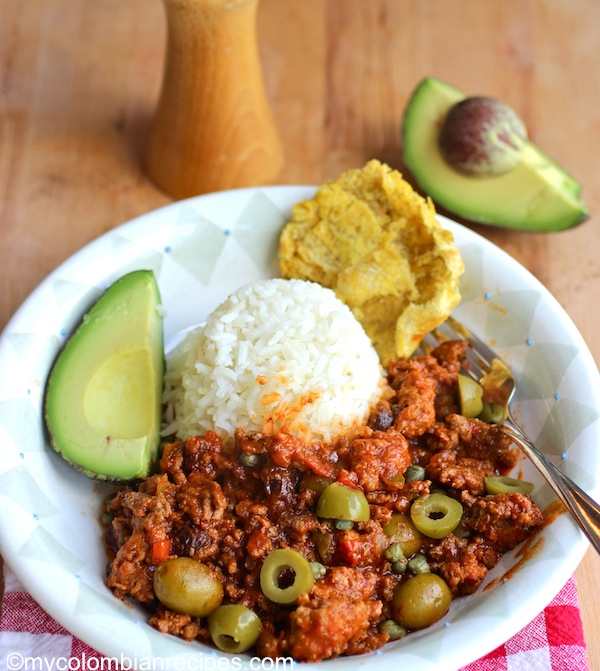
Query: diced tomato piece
{"type": "Point", "coordinates": [160, 551]}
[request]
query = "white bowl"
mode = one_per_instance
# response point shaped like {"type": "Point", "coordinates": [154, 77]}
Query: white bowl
{"type": "Point", "coordinates": [201, 249]}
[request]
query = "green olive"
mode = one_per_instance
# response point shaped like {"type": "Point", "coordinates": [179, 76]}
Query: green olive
{"type": "Point", "coordinates": [500, 484]}
{"type": "Point", "coordinates": [234, 628]}
{"type": "Point", "coordinates": [420, 601]}
{"type": "Point", "coordinates": [339, 502]}
{"type": "Point", "coordinates": [315, 482]}
{"type": "Point", "coordinates": [402, 530]}
{"type": "Point", "coordinates": [323, 545]}
{"type": "Point", "coordinates": [185, 585]}
{"type": "Point", "coordinates": [436, 515]}
{"type": "Point", "coordinates": [470, 395]}
{"type": "Point", "coordinates": [492, 413]}
{"type": "Point", "coordinates": [285, 575]}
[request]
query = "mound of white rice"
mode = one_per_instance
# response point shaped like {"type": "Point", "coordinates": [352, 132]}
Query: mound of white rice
{"type": "Point", "coordinates": [276, 355]}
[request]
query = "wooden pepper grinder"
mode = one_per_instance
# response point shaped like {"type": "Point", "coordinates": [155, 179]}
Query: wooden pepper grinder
{"type": "Point", "coordinates": [213, 127]}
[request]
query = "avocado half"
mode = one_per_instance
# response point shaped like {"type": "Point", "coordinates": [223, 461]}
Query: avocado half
{"type": "Point", "coordinates": [103, 396]}
{"type": "Point", "coordinates": [536, 195]}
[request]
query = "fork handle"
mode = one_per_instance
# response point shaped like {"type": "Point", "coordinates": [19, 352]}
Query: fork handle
{"type": "Point", "coordinates": [582, 507]}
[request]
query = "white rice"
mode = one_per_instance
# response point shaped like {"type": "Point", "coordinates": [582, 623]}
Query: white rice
{"type": "Point", "coordinates": [276, 355]}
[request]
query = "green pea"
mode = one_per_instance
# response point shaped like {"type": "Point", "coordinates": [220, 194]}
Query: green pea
{"type": "Point", "coordinates": [339, 502]}
{"type": "Point", "coordinates": [400, 566]}
{"type": "Point", "coordinates": [392, 629]}
{"type": "Point", "coordinates": [344, 525]}
{"type": "Point", "coordinates": [420, 601]}
{"type": "Point", "coordinates": [285, 575]}
{"type": "Point", "coordinates": [418, 564]}
{"type": "Point", "coordinates": [394, 553]}
{"type": "Point", "coordinates": [250, 460]}
{"type": "Point", "coordinates": [106, 518]}
{"type": "Point", "coordinates": [414, 473]}
{"type": "Point", "coordinates": [501, 484]}
{"type": "Point", "coordinates": [401, 529]}
{"type": "Point", "coordinates": [470, 394]}
{"type": "Point", "coordinates": [318, 569]}
{"type": "Point", "coordinates": [436, 515]}
{"type": "Point", "coordinates": [492, 413]}
{"type": "Point", "coordinates": [234, 628]}
{"type": "Point", "coordinates": [185, 585]}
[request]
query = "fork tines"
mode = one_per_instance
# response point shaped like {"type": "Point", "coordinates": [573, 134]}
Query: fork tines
{"type": "Point", "coordinates": [479, 355]}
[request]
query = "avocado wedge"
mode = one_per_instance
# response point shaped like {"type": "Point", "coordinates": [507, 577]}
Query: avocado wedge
{"type": "Point", "coordinates": [536, 195]}
{"type": "Point", "coordinates": [103, 396]}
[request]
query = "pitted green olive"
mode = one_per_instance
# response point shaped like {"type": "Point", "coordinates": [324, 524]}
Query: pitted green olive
{"type": "Point", "coordinates": [420, 601]}
{"type": "Point", "coordinates": [234, 628]}
{"type": "Point", "coordinates": [285, 575]}
{"type": "Point", "coordinates": [470, 395]}
{"type": "Point", "coordinates": [339, 502]}
{"type": "Point", "coordinates": [315, 482]}
{"type": "Point", "coordinates": [401, 529]}
{"type": "Point", "coordinates": [185, 585]}
{"type": "Point", "coordinates": [492, 413]}
{"type": "Point", "coordinates": [501, 484]}
{"type": "Point", "coordinates": [436, 515]}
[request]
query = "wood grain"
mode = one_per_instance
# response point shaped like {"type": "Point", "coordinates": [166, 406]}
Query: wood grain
{"type": "Point", "coordinates": [79, 84]}
{"type": "Point", "coordinates": [213, 128]}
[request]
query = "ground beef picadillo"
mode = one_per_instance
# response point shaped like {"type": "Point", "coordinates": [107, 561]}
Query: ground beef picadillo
{"type": "Point", "coordinates": [212, 503]}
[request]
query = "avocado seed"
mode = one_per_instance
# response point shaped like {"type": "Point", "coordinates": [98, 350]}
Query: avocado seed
{"type": "Point", "coordinates": [482, 137]}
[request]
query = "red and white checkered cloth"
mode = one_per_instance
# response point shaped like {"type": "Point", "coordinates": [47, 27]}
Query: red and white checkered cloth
{"type": "Point", "coordinates": [552, 642]}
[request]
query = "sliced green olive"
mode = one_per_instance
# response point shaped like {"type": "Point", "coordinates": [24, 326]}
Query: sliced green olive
{"type": "Point", "coordinates": [420, 601]}
{"type": "Point", "coordinates": [323, 545]}
{"type": "Point", "coordinates": [234, 628]}
{"type": "Point", "coordinates": [339, 502]}
{"type": "Point", "coordinates": [470, 395]}
{"type": "Point", "coordinates": [436, 515]}
{"type": "Point", "coordinates": [492, 413]}
{"type": "Point", "coordinates": [315, 482]}
{"type": "Point", "coordinates": [185, 585]}
{"type": "Point", "coordinates": [501, 484]}
{"type": "Point", "coordinates": [402, 530]}
{"type": "Point", "coordinates": [285, 575]}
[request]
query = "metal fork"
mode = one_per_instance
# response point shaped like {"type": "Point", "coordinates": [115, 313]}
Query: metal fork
{"type": "Point", "coordinates": [482, 361]}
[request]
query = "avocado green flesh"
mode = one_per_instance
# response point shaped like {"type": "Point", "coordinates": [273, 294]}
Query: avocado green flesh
{"type": "Point", "coordinates": [537, 195]}
{"type": "Point", "coordinates": [103, 398]}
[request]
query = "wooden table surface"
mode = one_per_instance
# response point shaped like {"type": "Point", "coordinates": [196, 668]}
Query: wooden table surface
{"type": "Point", "coordinates": [79, 80]}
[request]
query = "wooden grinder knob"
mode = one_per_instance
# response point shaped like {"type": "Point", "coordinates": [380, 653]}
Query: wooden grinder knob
{"type": "Point", "coordinates": [213, 127]}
